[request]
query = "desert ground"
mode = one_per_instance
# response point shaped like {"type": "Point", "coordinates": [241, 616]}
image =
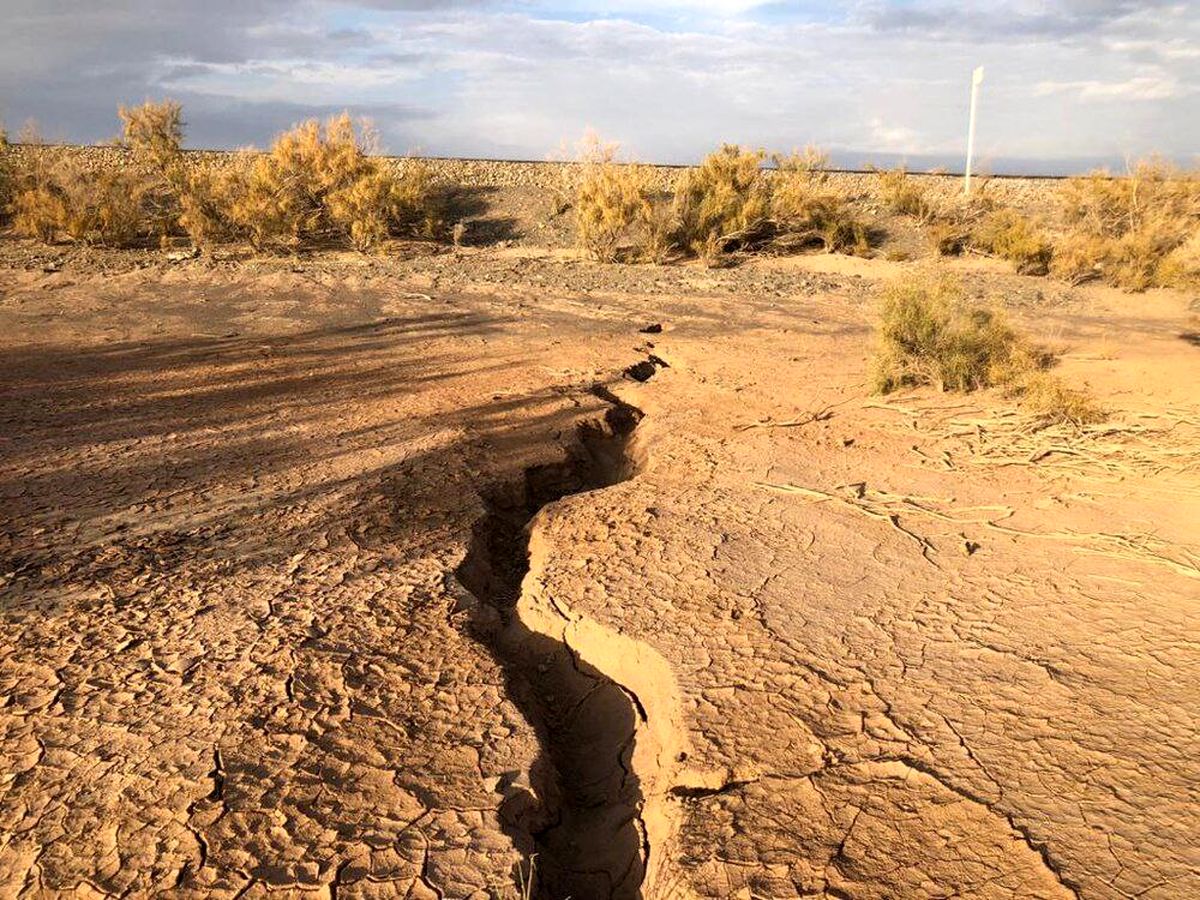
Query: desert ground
{"type": "Point", "coordinates": [493, 571]}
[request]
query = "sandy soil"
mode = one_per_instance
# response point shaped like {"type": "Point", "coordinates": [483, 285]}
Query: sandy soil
{"type": "Point", "coordinates": [383, 577]}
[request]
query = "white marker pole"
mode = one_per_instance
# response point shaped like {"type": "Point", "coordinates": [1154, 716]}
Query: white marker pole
{"type": "Point", "coordinates": [976, 81]}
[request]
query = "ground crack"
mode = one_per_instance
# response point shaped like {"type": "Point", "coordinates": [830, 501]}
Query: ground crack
{"type": "Point", "coordinates": [585, 813]}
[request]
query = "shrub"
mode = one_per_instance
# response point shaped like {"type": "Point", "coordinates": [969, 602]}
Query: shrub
{"type": "Point", "coordinates": [1129, 230]}
{"type": "Point", "coordinates": [612, 200]}
{"type": "Point", "coordinates": [1050, 402]}
{"type": "Point", "coordinates": [318, 182]}
{"type": "Point", "coordinates": [1012, 236]}
{"type": "Point", "coordinates": [153, 135]}
{"type": "Point", "coordinates": [929, 334]}
{"type": "Point", "coordinates": [208, 194]}
{"type": "Point", "coordinates": [55, 193]}
{"type": "Point", "coordinates": [949, 236]}
{"type": "Point", "coordinates": [6, 173]}
{"type": "Point", "coordinates": [806, 210]}
{"type": "Point", "coordinates": [726, 194]}
{"type": "Point", "coordinates": [902, 194]}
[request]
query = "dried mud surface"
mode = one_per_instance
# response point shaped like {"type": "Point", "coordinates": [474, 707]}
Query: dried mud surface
{"type": "Point", "coordinates": [399, 577]}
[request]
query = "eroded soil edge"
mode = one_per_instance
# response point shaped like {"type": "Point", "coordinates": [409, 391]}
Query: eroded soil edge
{"type": "Point", "coordinates": [592, 814]}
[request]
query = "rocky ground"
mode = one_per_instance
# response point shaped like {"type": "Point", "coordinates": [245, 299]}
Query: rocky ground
{"type": "Point", "coordinates": [411, 575]}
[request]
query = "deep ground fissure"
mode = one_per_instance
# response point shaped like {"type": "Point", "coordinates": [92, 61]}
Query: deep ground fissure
{"type": "Point", "coordinates": [578, 821]}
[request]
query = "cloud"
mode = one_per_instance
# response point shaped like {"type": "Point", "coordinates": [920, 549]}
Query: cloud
{"type": "Point", "coordinates": [1140, 88]}
{"type": "Point", "coordinates": [669, 78]}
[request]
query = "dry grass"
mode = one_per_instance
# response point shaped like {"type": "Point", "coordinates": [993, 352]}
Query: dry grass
{"type": "Point", "coordinates": [1050, 402]}
{"type": "Point", "coordinates": [1133, 232]}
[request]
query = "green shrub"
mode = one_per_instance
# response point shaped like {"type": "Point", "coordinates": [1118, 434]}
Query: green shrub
{"type": "Point", "coordinates": [929, 334]}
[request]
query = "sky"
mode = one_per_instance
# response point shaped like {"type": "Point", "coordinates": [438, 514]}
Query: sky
{"type": "Point", "coordinates": [1069, 83]}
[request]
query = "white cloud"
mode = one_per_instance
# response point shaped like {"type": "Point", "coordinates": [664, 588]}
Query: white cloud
{"type": "Point", "coordinates": [1146, 87]}
{"type": "Point", "coordinates": [669, 78]}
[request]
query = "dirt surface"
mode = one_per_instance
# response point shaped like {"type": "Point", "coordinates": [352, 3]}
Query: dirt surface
{"type": "Point", "coordinates": [403, 576]}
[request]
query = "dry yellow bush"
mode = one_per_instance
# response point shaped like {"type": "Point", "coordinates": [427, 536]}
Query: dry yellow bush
{"type": "Point", "coordinates": [317, 182]}
{"type": "Point", "coordinates": [153, 133]}
{"type": "Point", "coordinates": [1006, 233]}
{"type": "Point", "coordinates": [56, 194]}
{"type": "Point", "coordinates": [725, 194]}
{"type": "Point", "coordinates": [207, 195]}
{"type": "Point", "coordinates": [617, 208]}
{"type": "Point", "coordinates": [806, 210]}
{"type": "Point", "coordinates": [1129, 230]}
{"type": "Point", "coordinates": [902, 194]}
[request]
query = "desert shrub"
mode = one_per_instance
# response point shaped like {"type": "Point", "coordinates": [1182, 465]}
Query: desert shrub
{"type": "Point", "coordinates": [1006, 233]}
{"type": "Point", "coordinates": [725, 194]}
{"type": "Point", "coordinates": [1181, 267]}
{"type": "Point", "coordinates": [207, 197]}
{"type": "Point", "coordinates": [318, 182]}
{"type": "Point", "coordinates": [55, 193]}
{"type": "Point", "coordinates": [1050, 402]}
{"type": "Point", "coordinates": [153, 135]}
{"type": "Point", "coordinates": [949, 236]}
{"type": "Point", "coordinates": [612, 199]}
{"type": "Point", "coordinates": [929, 334]}
{"type": "Point", "coordinates": [805, 209]}
{"type": "Point", "coordinates": [900, 193]}
{"type": "Point", "coordinates": [1129, 230]}
{"type": "Point", "coordinates": [6, 173]}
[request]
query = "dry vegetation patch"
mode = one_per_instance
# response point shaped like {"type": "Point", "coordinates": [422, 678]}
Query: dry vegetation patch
{"type": "Point", "coordinates": [1134, 232]}
{"type": "Point", "coordinates": [929, 333]}
{"type": "Point", "coordinates": [729, 203]}
{"type": "Point", "coordinates": [319, 183]}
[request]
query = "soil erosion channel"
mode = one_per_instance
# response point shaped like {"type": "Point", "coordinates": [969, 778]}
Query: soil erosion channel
{"type": "Point", "coordinates": [594, 811]}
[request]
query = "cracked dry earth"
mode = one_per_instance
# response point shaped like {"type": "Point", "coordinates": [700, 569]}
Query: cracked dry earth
{"type": "Point", "coordinates": [375, 582]}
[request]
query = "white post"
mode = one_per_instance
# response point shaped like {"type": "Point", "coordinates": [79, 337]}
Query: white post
{"type": "Point", "coordinates": [976, 81]}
